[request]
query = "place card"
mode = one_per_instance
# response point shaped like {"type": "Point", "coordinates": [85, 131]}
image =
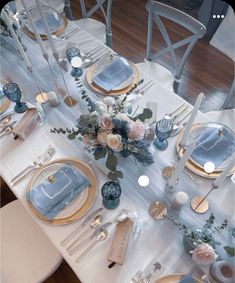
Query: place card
{"type": "Point", "coordinates": [120, 241]}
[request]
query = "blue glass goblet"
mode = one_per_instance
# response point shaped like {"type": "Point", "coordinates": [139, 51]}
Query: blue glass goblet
{"type": "Point", "coordinates": [13, 93]}
{"type": "Point", "coordinates": [111, 192]}
{"type": "Point", "coordinates": [162, 130]}
{"type": "Point", "coordinates": [72, 52]}
{"type": "Point", "coordinates": [76, 72]}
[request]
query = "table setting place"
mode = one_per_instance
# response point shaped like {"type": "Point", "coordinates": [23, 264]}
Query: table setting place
{"type": "Point", "coordinates": [131, 183]}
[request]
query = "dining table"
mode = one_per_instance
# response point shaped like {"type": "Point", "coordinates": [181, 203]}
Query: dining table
{"type": "Point", "coordinates": [157, 241]}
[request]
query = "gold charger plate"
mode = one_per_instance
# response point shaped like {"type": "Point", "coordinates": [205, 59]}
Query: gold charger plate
{"type": "Point", "coordinates": [4, 104]}
{"type": "Point", "coordinates": [86, 205]}
{"type": "Point", "coordinates": [173, 278]}
{"type": "Point", "coordinates": [193, 166]}
{"type": "Point", "coordinates": [43, 36]}
{"type": "Point", "coordinates": [115, 92]}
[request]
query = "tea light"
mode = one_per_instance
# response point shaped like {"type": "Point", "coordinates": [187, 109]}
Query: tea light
{"type": "Point", "coordinates": [221, 271]}
{"type": "Point", "coordinates": [143, 181]}
{"type": "Point", "coordinates": [53, 99]}
{"type": "Point", "coordinates": [209, 167]}
{"type": "Point", "coordinates": [179, 200]}
{"type": "Point", "coordinates": [76, 62]}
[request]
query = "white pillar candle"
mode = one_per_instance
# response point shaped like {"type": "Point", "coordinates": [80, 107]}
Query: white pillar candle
{"type": "Point", "coordinates": [180, 166]}
{"type": "Point", "coordinates": [38, 37]}
{"type": "Point", "coordinates": [188, 127]}
{"type": "Point", "coordinates": [53, 99]}
{"type": "Point", "coordinates": [179, 200]}
{"type": "Point", "coordinates": [224, 174]}
{"type": "Point", "coordinates": [48, 32]}
{"type": "Point", "coordinates": [19, 46]}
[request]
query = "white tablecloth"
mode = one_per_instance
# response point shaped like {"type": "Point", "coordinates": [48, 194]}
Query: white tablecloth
{"type": "Point", "coordinates": [159, 240]}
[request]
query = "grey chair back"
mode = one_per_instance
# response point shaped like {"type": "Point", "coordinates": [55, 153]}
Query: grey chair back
{"type": "Point", "coordinates": [106, 13]}
{"type": "Point", "coordinates": [230, 99]}
{"type": "Point", "coordinates": [156, 11]}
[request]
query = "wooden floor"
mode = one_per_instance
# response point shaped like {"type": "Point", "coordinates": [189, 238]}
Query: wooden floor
{"type": "Point", "coordinates": [207, 70]}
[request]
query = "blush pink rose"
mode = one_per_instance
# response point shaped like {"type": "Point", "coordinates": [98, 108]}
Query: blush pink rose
{"type": "Point", "coordinates": [136, 131]}
{"type": "Point", "coordinates": [204, 254]}
{"type": "Point", "coordinates": [115, 142]}
{"type": "Point", "coordinates": [88, 140]}
{"type": "Point", "coordinates": [106, 123]}
{"type": "Point", "coordinates": [102, 138]}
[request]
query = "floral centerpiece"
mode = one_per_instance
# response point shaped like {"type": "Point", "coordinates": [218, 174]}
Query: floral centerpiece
{"type": "Point", "coordinates": [200, 242]}
{"type": "Point", "coordinates": [108, 129]}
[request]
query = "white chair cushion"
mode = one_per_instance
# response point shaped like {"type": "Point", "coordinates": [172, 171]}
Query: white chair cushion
{"type": "Point", "coordinates": [27, 255]}
{"type": "Point", "coordinates": [157, 72]}
{"type": "Point", "coordinates": [94, 27]}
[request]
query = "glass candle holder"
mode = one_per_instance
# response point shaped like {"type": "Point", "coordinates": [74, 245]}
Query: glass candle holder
{"type": "Point", "coordinates": [111, 192]}
{"type": "Point", "coordinates": [13, 93]}
{"type": "Point", "coordinates": [72, 52]}
{"type": "Point", "coordinates": [163, 129]}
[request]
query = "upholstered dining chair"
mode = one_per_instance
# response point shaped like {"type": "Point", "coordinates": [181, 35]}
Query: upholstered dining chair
{"type": "Point", "coordinates": [27, 256]}
{"type": "Point", "coordinates": [102, 32]}
{"type": "Point", "coordinates": [157, 11]}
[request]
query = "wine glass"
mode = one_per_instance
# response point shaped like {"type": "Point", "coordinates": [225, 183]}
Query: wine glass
{"type": "Point", "coordinates": [72, 52]}
{"type": "Point", "coordinates": [13, 93]}
{"type": "Point", "coordinates": [111, 192]}
{"type": "Point", "coordinates": [163, 129]}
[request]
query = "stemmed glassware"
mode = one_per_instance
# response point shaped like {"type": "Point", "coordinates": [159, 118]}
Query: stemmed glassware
{"type": "Point", "coordinates": [13, 93]}
{"type": "Point", "coordinates": [163, 129]}
{"type": "Point", "coordinates": [111, 192]}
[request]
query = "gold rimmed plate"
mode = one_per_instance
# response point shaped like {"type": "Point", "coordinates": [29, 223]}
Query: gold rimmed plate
{"type": "Point", "coordinates": [56, 22]}
{"type": "Point", "coordinates": [194, 166]}
{"type": "Point", "coordinates": [173, 278]}
{"type": "Point", "coordinates": [78, 207]}
{"type": "Point", "coordinates": [120, 89]}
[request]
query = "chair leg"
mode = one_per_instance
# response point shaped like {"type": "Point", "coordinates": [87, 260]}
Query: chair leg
{"type": "Point", "coordinates": [176, 86]}
{"type": "Point", "coordinates": [68, 10]}
{"type": "Point", "coordinates": [109, 40]}
{"type": "Point", "coordinates": [230, 99]}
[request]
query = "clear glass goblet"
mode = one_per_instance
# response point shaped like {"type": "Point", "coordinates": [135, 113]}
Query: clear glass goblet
{"type": "Point", "coordinates": [13, 93]}
{"type": "Point", "coordinates": [163, 129]}
{"type": "Point", "coordinates": [72, 52]}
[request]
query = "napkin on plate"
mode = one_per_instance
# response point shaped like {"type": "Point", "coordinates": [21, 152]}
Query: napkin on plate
{"type": "Point", "coordinates": [213, 147]}
{"type": "Point", "coordinates": [113, 74]}
{"type": "Point", "coordinates": [187, 279]}
{"type": "Point", "coordinates": [57, 191]}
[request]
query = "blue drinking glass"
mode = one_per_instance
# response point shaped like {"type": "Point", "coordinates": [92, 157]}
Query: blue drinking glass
{"type": "Point", "coordinates": [163, 129]}
{"type": "Point", "coordinates": [111, 192]}
{"type": "Point", "coordinates": [13, 93]}
{"type": "Point", "coordinates": [72, 52]}
{"type": "Point", "coordinates": [76, 72]}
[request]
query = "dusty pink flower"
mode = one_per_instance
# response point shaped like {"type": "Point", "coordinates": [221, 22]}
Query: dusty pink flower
{"type": "Point", "coordinates": [88, 140]}
{"type": "Point", "coordinates": [204, 254]}
{"type": "Point", "coordinates": [102, 138]}
{"type": "Point", "coordinates": [106, 123]}
{"type": "Point", "coordinates": [115, 142]}
{"type": "Point", "coordinates": [136, 131]}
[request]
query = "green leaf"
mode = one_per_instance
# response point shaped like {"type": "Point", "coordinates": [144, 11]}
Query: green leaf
{"type": "Point", "coordinates": [119, 174]}
{"type": "Point", "coordinates": [111, 162]}
{"type": "Point", "coordinates": [100, 152]}
{"type": "Point", "coordinates": [112, 176]}
{"type": "Point", "coordinates": [230, 250]}
{"type": "Point", "coordinates": [71, 136]}
{"type": "Point", "coordinates": [147, 114]}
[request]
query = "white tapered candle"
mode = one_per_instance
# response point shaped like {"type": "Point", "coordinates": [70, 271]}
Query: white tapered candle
{"type": "Point", "coordinates": [186, 133]}
{"type": "Point", "coordinates": [219, 180]}
{"type": "Point", "coordinates": [180, 166]}
{"type": "Point", "coordinates": [18, 44]}
{"type": "Point", "coordinates": [48, 32]}
{"type": "Point", "coordinates": [38, 37]}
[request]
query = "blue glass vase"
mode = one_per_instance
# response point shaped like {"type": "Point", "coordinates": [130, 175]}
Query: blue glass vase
{"type": "Point", "coordinates": [72, 52]}
{"type": "Point", "coordinates": [111, 192]}
{"type": "Point", "coordinates": [163, 129]}
{"type": "Point", "coordinates": [13, 93]}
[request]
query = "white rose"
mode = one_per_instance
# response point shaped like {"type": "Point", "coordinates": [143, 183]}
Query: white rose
{"type": "Point", "coordinates": [115, 142]}
{"type": "Point", "coordinates": [122, 117]}
{"type": "Point", "coordinates": [102, 137]}
{"type": "Point", "coordinates": [109, 101]}
{"type": "Point", "coordinates": [100, 106]}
